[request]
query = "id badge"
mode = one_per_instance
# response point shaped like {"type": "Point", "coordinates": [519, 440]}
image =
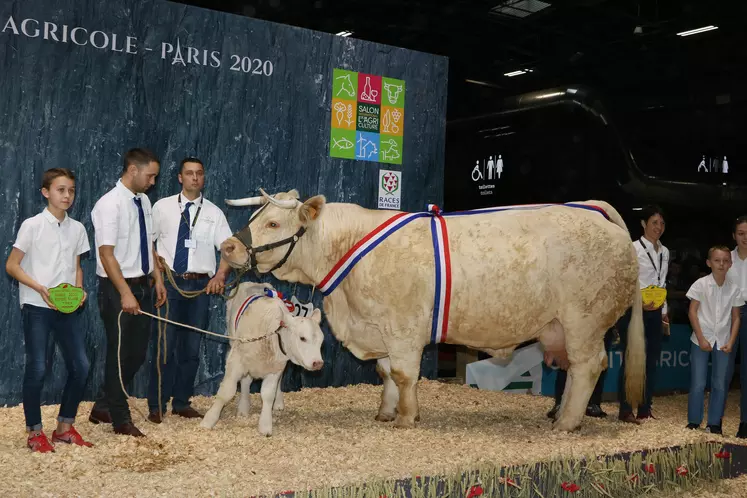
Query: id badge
{"type": "Point", "coordinates": [190, 243]}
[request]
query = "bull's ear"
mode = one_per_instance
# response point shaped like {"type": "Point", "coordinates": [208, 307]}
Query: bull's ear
{"type": "Point", "coordinates": [312, 208]}
{"type": "Point", "coordinates": [293, 194]}
{"type": "Point", "coordinates": [316, 315]}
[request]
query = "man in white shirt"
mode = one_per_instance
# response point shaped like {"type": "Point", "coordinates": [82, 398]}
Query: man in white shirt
{"type": "Point", "coordinates": [125, 258]}
{"type": "Point", "coordinates": [188, 231]}
{"type": "Point", "coordinates": [738, 274]}
{"type": "Point", "coordinates": [714, 315]}
{"type": "Point", "coordinates": [653, 265]}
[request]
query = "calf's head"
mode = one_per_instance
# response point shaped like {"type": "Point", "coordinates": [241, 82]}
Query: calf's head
{"type": "Point", "coordinates": [302, 340]}
{"type": "Point", "coordinates": [273, 231]}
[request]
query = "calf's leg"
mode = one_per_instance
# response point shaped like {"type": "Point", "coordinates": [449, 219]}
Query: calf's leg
{"type": "Point", "coordinates": [225, 394]}
{"type": "Point", "coordinates": [390, 394]}
{"type": "Point", "coordinates": [243, 408]}
{"type": "Point", "coordinates": [268, 391]}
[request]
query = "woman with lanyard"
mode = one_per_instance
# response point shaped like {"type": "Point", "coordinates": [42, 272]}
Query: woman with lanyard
{"type": "Point", "coordinates": [653, 263]}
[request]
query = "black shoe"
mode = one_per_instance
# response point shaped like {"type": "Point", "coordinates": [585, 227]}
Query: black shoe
{"type": "Point", "coordinates": [553, 411]}
{"type": "Point", "coordinates": [693, 426]}
{"type": "Point", "coordinates": [714, 429]}
{"type": "Point", "coordinates": [594, 410]}
{"type": "Point", "coordinates": [742, 433]}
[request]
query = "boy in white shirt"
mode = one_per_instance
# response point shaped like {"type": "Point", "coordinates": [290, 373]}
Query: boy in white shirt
{"type": "Point", "coordinates": [47, 253]}
{"type": "Point", "coordinates": [714, 315]}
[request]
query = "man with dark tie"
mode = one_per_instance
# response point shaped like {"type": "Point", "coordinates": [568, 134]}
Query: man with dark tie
{"type": "Point", "coordinates": [125, 263]}
{"type": "Point", "coordinates": [188, 231]}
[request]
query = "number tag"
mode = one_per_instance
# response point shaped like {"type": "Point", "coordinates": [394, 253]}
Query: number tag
{"type": "Point", "coordinates": [304, 310]}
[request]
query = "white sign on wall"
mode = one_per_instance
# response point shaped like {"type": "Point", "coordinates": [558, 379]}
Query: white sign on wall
{"type": "Point", "coordinates": [486, 172]}
{"type": "Point", "coordinates": [390, 189]}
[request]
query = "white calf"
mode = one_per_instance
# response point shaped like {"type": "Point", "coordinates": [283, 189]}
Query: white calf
{"type": "Point", "coordinates": [279, 337]}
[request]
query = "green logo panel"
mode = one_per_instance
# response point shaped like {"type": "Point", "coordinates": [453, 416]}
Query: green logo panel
{"type": "Point", "coordinates": [390, 149]}
{"type": "Point", "coordinates": [345, 84]}
{"type": "Point", "coordinates": [393, 92]}
{"type": "Point", "coordinates": [369, 116]}
{"type": "Point", "coordinates": [342, 143]}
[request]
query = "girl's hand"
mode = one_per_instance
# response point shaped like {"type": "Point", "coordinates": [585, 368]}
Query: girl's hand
{"type": "Point", "coordinates": [45, 295]}
{"type": "Point", "coordinates": [85, 296]}
{"type": "Point", "coordinates": [728, 348]}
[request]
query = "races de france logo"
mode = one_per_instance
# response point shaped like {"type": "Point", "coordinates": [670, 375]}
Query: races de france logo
{"type": "Point", "coordinates": [390, 182]}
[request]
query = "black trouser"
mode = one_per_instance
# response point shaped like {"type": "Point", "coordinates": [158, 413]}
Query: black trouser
{"type": "Point", "coordinates": [596, 396]}
{"type": "Point", "coordinates": [135, 335]}
{"type": "Point", "coordinates": [653, 335]}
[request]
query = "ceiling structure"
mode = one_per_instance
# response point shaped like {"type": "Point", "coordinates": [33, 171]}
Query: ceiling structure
{"type": "Point", "coordinates": [627, 49]}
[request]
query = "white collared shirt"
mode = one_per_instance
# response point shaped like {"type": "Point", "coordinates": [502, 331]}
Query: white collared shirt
{"type": "Point", "coordinates": [738, 272]}
{"type": "Point", "coordinates": [714, 312]}
{"type": "Point", "coordinates": [652, 273]}
{"type": "Point", "coordinates": [116, 223]}
{"type": "Point", "coordinates": [50, 249]}
{"type": "Point", "coordinates": [208, 232]}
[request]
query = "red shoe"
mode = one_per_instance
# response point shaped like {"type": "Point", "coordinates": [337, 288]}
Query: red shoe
{"type": "Point", "coordinates": [70, 436]}
{"type": "Point", "coordinates": [40, 443]}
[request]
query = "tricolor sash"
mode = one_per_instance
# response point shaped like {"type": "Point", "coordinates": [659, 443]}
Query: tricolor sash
{"type": "Point", "coordinates": [248, 302]}
{"type": "Point", "coordinates": [442, 256]}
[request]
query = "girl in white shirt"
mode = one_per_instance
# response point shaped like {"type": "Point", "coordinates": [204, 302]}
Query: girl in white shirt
{"type": "Point", "coordinates": [47, 253]}
{"type": "Point", "coordinates": [738, 274]}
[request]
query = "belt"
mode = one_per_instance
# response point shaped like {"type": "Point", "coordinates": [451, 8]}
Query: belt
{"type": "Point", "coordinates": [142, 280]}
{"type": "Point", "coordinates": [191, 276]}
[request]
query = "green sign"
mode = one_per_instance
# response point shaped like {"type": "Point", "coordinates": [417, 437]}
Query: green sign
{"type": "Point", "coordinates": [66, 297]}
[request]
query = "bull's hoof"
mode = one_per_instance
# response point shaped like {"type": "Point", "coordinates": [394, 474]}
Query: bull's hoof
{"type": "Point", "coordinates": [385, 417]}
{"type": "Point", "coordinates": [564, 426]}
{"type": "Point", "coordinates": [417, 418]}
{"type": "Point", "coordinates": [404, 423]}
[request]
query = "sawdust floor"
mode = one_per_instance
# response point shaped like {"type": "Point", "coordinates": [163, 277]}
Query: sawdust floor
{"type": "Point", "coordinates": [324, 437]}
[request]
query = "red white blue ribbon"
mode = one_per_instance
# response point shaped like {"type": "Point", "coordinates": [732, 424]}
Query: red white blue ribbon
{"type": "Point", "coordinates": [442, 255]}
{"type": "Point", "coordinates": [249, 300]}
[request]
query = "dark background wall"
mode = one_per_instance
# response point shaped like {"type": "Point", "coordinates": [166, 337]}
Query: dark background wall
{"type": "Point", "coordinates": [81, 107]}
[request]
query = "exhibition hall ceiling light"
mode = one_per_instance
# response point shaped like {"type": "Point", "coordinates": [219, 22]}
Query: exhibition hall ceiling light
{"type": "Point", "coordinates": [517, 73]}
{"type": "Point", "coordinates": [697, 31]}
{"type": "Point", "coordinates": [344, 33]}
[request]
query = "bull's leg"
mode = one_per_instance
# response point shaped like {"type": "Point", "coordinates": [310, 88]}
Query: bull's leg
{"type": "Point", "coordinates": [405, 372]}
{"type": "Point", "coordinates": [268, 391]}
{"type": "Point", "coordinates": [279, 402]}
{"type": "Point", "coordinates": [582, 376]}
{"type": "Point", "coordinates": [244, 402]}
{"type": "Point", "coordinates": [225, 394]}
{"type": "Point", "coordinates": [390, 395]}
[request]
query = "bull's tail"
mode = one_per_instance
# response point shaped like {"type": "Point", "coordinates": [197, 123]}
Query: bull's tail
{"type": "Point", "coordinates": [635, 354]}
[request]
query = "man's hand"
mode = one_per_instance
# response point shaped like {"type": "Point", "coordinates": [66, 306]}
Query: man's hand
{"type": "Point", "coordinates": [704, 345]}
{"type": "Point", "coordinates": [160, 294]}
{"type": "Point", "coordinates": [217, 284]}
{"type": "Point", "coordinates": [44, 292]}
{"type": "Point", "coordinates": [130, 304]}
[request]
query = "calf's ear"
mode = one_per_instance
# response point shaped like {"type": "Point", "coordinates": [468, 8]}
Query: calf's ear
{"type": "Point", "coordinates": [311, 209]}
{"type": "Point", "coordinates": [316, 315]}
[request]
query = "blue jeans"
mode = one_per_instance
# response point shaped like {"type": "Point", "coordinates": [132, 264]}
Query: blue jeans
{"type": "Point", "coordinates": [181, 357]}
{"type": "Point", "coordinates": [741, 345]}
{"type": "Point", "coordinates": [698, 378]}
{"type": "Point", "coordinates": [69, 335]}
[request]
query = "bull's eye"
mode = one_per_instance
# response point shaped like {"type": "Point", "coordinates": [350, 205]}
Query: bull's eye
{"type": "Point", "coordinates": [272, 224]}
{"type": "Point", "coordinates": [303, 339]}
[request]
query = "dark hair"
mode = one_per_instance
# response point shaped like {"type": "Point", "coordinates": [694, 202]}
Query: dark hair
{"type": "Point", "coordinates": [138, 157]}
{"type": "Point", "coordinates": [53, 173]}
{"type": "Point", "coordinates": [189, 160]}
{"type": "Point", "coordinates": [718, 248]}
{"type": "Point", "coordinates": [651, 210]}
{"type": "Point", "coordinates": [739, 221]}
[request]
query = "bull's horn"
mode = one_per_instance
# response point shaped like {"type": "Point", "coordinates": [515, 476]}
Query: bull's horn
{"type": "Point", "coordinates": [283, 203]}
{"type": "Point", "coordinates": [247, 201]}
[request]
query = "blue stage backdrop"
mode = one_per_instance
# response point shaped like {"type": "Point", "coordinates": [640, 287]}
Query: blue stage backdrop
{"type": "Point", "coordinates": [83, 81]}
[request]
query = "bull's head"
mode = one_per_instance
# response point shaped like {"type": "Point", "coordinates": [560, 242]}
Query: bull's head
{"type": "Point", "coordinates": [266, 242]}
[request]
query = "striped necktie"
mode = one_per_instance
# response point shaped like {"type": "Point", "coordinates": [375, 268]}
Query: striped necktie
{"type": "Point", "coordinates": [181, 254]}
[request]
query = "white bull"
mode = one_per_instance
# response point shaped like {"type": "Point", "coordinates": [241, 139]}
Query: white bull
{"type": "Point", "coordinates": [297, 339]}
{"type": "Point", "coordinates": [559, 275]}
